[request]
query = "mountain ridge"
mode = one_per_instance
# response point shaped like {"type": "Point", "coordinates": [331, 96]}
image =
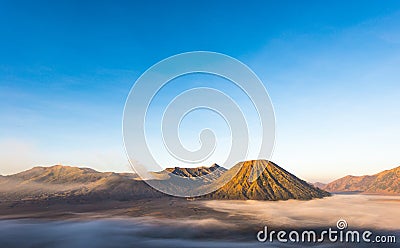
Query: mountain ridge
{"type": "Point", "coordinates": [197, 171]}
{"type": "Point", "coordinates": [384, 182]}
{"type": "Point", "coordinates": [86, 184]}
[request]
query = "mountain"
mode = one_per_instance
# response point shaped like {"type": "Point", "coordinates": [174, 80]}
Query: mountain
{"type": "Point", "coordinates": [274, 183]}
{"type": "Point", "coordinates": [385, 182]}
{"type": "Point", "coordinates": [319, 185]}
{"type": "Point", "coordinates": [198, 171]}
{"type": "Point", "coordinates": [73, 184]}
{"type": "Point", "coordinates": [84, 184]}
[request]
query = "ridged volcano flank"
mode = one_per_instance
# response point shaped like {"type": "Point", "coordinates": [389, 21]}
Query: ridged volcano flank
{"type": "Point", "coordinates": [274, 183]}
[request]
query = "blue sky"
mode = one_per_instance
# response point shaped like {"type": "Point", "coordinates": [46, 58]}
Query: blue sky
{"type": "Point", "coordinates": [331, 69]}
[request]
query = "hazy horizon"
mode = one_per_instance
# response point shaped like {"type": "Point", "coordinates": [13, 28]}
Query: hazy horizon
{"type": "Point", "coordinates": [131, 171]}
{"type": "Point", "coordinates": [331, 70]}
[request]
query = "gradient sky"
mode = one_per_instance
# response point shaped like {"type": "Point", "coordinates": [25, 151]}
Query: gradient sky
{"type": "Point", "coordinates": [331, 69]}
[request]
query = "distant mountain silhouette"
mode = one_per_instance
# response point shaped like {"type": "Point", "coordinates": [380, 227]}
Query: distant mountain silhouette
{"type": "Point", "coordinates": [385, 182]}
{"type": "Point", "coordinates": [75, 184]}
{"type": "Point", "coordinates": [319, 185]}
{"type": "Point", "coordinates": [274, 183]}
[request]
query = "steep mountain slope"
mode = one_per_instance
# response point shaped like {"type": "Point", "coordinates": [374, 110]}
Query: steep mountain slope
{"type": "Point", "coordinates": [274, 183]}
{"type": "Point", "coordinates": [385, 182]}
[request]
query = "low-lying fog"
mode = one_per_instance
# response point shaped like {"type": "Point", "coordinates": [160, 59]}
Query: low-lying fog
{"type": "Point", "coordinates": [360, 211]}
